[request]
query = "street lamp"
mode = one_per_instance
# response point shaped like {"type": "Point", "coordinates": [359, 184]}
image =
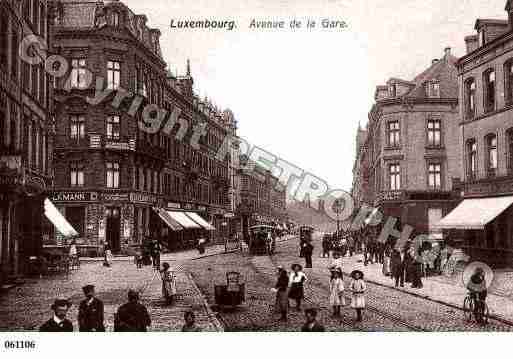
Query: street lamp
{"type": "Point", "coordinates": [337, 210]}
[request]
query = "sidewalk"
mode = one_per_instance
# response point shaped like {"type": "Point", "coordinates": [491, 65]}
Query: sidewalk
{"type": "Point", "coordinates": [447, 290]}
{"type": "Point", "coordinates": [28, 306]}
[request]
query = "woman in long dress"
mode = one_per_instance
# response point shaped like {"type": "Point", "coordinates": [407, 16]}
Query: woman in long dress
{"type": "Point", "coordinates": [337, 298]}
{"type": "Point", "coordinates": [107, 252]}
{"type": "Point", "coordinates": [168, 283]}
{"type": "Point", "coordinates": [296, 282]}
{"type": "Point", "coordinates": [282, 300]}
{"type": "Point", "coordinates": [358, 288]}
{"type": "Point", "coordinates": [386, 260]}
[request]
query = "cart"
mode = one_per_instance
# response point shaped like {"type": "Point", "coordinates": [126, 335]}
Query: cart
{"type": "Point", "coordinates": [262, 240]}
{"type": "Point", "coordinates": [231, 294]}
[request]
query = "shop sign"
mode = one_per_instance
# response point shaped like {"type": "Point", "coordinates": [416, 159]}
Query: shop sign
{"type": "Point", "coordinates": [173, 205]}
{"type": "Point", "coordinates": [74, 196]}
{"type": "Point", "coordinates": [9, 180]}
{"type": "Point", "coordinates": [229, 215]}
{"type": "Point", "coordinates": [122, 146]}
{"type": "Point", "coordinates": [143, 198]}
{"type": "Point", "coordinates": [114, 197]}
{"type": "Point", "coordinates": [202, 208]}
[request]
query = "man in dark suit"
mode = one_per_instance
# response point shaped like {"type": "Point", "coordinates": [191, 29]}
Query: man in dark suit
{"type": "Point", "coordinates": [90, 312]}
{"type": "Point", "coordinates": [307, 252]}
{"type": "Point", "coordinates": [397, 267]}
{"type": "Point", "coordinates": [132, 316]}
{"type": "Point", "coordinates": [58, 323]}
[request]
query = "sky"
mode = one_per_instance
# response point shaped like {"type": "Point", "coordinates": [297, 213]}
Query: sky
{"type": "Point", "coordinates": [301, 93]}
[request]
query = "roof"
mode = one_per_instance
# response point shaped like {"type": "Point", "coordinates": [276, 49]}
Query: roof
{"type": "Point", "coordinates": [87, 14]}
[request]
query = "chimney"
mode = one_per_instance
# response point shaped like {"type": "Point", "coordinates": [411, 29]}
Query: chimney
{"type": "Point", "coordinates": [447, 51]}
{"type": "Point", "coordinates": [434, 61]}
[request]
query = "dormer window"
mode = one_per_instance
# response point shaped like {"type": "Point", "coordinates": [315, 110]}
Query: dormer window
{"type": "Point", "coordinates": [392, 90]}
{"type": "Point", "coordinates": [114, 19]}
{"type": "Point", "coordinates": [433, 89]}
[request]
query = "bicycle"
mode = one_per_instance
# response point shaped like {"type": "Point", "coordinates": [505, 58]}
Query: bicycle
{"type": "Point", "coordinates": [472, 312]}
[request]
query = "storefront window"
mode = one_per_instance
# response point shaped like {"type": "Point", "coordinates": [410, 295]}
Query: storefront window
{"type": "Point", "coordinates": [76, 217]}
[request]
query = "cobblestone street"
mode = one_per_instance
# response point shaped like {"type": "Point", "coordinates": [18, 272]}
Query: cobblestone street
{"type": "Point", "coordinates": [387, 309]}
{"type": "Point", "coordinates": [26, 307]}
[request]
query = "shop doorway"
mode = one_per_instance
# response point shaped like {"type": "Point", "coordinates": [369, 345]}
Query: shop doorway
{"type": "Point", "coordinates": [113, 228]}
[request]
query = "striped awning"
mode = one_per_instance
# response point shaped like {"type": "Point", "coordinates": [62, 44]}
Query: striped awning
{"type": "Point", "coordinates": [171, 223]}
{"type": "Point", "coordinates": [58, 220]}
{"type": "Point", "coordinates": [184, 220]}
{"type": "Point", "coordinates": [197, 218]}
{"type": "Point", "coordinates": [475, 213]}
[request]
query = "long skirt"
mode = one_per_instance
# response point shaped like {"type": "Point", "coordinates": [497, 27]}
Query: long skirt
{"type": "Point", "coordinates": [296, 291]}
{"type": "Point", "coordinates": [386, 266]}
{"type": "Point", "coordinates": [282, 301]}
{"type": "Point", "coordinates": [168, 288]}
{"type": "Point", "coordinates": [337, 298]}
{"type": "Point", "coordinates": [357, 301]}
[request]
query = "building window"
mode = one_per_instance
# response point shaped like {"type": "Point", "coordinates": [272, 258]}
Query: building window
{"type": "Point", "coordinates": [394, 134]}
{"type": "Point", "coordinates": [113, 75]}
{"type": "Point", "coordinates": [470, 98]}
{"type": "Point", "coordinates": [115, 19]}
{"type": "Point", "coordinates": [509, 141]}
{"type": "Point", "coordinates": [471, 158]}
{"type": "Point", "coordinates": [3, 118]}
{"type": "Point", "coordinates": [26, 9]}
{"type": "Point", "coordinates": [113, 128]}
{"type": "Point", "coordinates": [14, 50]}
{"type": "Point", "coordinates": [433, 89]}
{"type": "Point", "coordinates": [392, 90]}
{"type": "Point", "coordinates": [76, 174]}
{"type": "Point", "coordinates": [491, 151]}
{"type": "Point", "coordinates": [395, 176]}
{"type": "Point", "coordinates": [434, 133]}
{"type": "Point", "coordinates": [77, 127]}
{"type": "Point", "coordinates": [482, 38]}
{"type": "Point", "coordinates": [78, 73]}
{"type": "Point", "coordinates": [489, 90]}
{"type": "Point", "coordinates": [508, 82]}
{"type": "Point", "coordinates": [14, 125]}
{"type": "Point", "coordinates": [35, 14]}
{"type": "Point", "coordinates": [112, 175]}
{"type": "Point", "coordinates": [434, 175]}
{"type": "Point", "coordinates": [4, 39]}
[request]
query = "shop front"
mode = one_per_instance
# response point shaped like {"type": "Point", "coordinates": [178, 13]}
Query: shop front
{"type": "Point", "coordinates": [483, 229]}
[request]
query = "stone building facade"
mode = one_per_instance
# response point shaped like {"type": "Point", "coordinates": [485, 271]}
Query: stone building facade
{"type": "Point", "coordinates": [26, 131]}
{"type": "Point", "coordinates": [411, 152]}
{"type": "Point", "coordinates": [110, 175]}
{"type": "Point", "coordinates": [485, 77]}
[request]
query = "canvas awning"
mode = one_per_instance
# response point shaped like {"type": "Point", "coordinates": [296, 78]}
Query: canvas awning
{"type": "Point", "coordinates": [197, 218]}
{"type": "Point", "coordinates": [171, 223]}
{"type": "Point", "coordinates": [184, 221]}
{"type": "Point", "coordinates": [475, 213]}
{"type": "Point", "coordinates": [58, 220]}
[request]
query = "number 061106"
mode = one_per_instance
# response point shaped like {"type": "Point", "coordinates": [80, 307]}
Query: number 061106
{"type": "Point", "coordinates": [20, 344]}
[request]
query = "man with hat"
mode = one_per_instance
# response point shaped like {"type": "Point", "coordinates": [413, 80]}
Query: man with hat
{"type": "Point", "coordinates": [312, 325]}
{"type": "Point", "coordinates": [90, 312]}
{"type": "Point", "coordinates": [58, 323]}
{"type": "Point", "coordinates": [132, 316]}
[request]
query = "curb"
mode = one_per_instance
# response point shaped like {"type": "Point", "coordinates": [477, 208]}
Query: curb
{"type": "Point", "coordinates": [210, 313]}
{"type": "Point", "coordinates": [427, 297]}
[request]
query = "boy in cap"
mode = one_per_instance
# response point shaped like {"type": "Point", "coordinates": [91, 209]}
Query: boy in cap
{"type": "Point", "coordinates": [312, 325]}
{"type": "Point", "coordinates": [58, 323]}
{"type": "Point", "coordinates": [90, 312]}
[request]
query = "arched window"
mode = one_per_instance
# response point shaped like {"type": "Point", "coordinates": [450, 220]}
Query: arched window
{"type": "Point", "coordinates": [491, 155]}
{"type": "Point", "coordinates": [508, 82]}
{"type": "Point", "coordinates": [470, 98]}
{"type": "Point", "coordinates": [114, 18]}
{"type": "Point", "coordinates": [471, 158]}
{"type": "Point", "coordinates": [489, 90]}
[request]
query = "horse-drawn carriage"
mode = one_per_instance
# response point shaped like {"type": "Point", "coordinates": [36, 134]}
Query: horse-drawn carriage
{"type": "Point", "coordinates": [262, 240]}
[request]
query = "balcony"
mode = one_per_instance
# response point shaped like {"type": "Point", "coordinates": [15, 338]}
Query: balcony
{"type": "Point", "coordinates": [127, 144]}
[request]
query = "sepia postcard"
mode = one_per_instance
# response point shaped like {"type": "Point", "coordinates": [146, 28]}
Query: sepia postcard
{"type": "Point", "coordinates": [255, 166]}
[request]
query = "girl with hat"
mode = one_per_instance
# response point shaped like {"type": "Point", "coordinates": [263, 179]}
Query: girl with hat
{"type": "Point", "coordinates": [168, 283]}
{"type": "Point", "coordinates": [357, 288]}
{"type": "Point", "coordinates": [296, 282]}
{"type": "Point", "coordinates": [337, 298]}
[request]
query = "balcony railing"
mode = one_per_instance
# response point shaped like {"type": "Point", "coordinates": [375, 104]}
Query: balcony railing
{"type": "Point", "coordinates": [127, 144]}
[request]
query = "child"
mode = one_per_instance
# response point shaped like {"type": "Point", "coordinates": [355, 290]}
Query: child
{"type": "Point", "coordinates": [139, 258]}
{"type": "Point", "coordinates": [190, 322]}
{"type": "Point", "coordinates": [296, 282]}
{"type": "Point", "coordinates": [336, 291]}
{"type": "Point", "coordinates": [358, 288]}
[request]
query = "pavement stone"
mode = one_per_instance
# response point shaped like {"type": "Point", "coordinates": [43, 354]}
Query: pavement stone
{"type": "Point", "coordinates": [27, 306]}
